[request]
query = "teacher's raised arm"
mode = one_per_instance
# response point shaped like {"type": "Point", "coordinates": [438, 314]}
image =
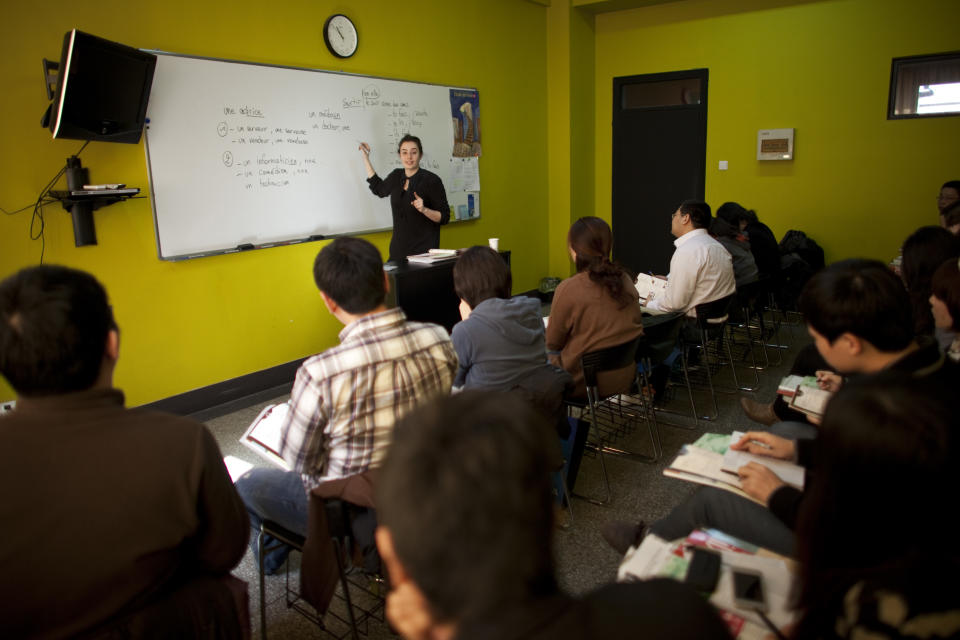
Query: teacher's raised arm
{"type": "Point", "coordinates": [418, 200]}
{"type": "Point", "coordinates": [365, 151]}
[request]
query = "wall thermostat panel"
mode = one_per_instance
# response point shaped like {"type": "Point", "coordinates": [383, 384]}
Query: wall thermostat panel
{"type": "Point", "coordinates": [775, 144]}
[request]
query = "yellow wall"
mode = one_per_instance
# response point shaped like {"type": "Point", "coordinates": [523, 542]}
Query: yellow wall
{"type": "Point", "coordinates": [570, 116]}
{"type": "Point", "coordinates": [190, 324]}
{"type": "Point", "coordinates": [860, 183]}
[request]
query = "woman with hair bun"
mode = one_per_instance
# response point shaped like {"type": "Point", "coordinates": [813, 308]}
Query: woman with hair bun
{"type": "Point", "coordinates": [596, 308]}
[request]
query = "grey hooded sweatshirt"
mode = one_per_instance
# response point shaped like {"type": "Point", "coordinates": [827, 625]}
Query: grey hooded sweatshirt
{"type": "Point", "coordinates": [500, 344]}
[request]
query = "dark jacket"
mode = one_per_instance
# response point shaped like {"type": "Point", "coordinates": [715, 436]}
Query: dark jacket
{"type": "Point", "coordinates": [927, 362]}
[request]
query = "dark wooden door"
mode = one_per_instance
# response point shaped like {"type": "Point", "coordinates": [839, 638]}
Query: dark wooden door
{"type": "Point", "coordinates": [659, 160]}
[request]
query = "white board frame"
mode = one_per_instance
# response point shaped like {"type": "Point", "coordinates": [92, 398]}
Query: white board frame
{"type": "Point", "coordinates": [201, 208]}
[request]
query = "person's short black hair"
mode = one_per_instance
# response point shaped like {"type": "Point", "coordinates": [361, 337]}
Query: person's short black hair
{"type": "Point", "coordinates": [862, 297]}
{"type": "Point", "coordinates": [732, 212]}
{"type": "Point", "coordinates": [465, 492]}
{"type": "Point", "coordinates": [54, 323]}
{"type": "Point", "coordinates": [410, 138]}
{"type": "Point", "coordinates": [479, 274]}
{"type": "Point", "coordinates": [951, 184]}
{"type": "Point", "coordinates": [350, 271]}
{"type": "Point", "coordinates": [700, 214]}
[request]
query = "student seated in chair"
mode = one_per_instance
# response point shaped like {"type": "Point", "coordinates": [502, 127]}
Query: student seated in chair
{"type": "Point", "coordinates": [346, 400]}
{"type": "Point", "coordinates": [115, 520]}
{"type": "Point", "coordinates": [464, 503]}
{"type": "Point", "coordinates": [500, 342]}
{"type": "Point", "coordinates": [596, 308]}
{"type": "Point", "coordinates": [701, 269]}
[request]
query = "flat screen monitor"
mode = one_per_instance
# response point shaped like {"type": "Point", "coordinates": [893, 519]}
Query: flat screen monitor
{"type": "Point", "coordinates": [102, 90]}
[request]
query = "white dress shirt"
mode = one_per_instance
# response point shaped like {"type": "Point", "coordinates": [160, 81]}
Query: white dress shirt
{"type": "Point", "coordinates": [701, 270]}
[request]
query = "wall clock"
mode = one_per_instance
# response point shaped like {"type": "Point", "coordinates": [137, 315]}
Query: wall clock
{"type": "Point", "coordinates": [340, 35]}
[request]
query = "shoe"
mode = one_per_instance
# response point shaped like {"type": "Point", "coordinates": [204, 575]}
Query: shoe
{"type": "Point", "coordinates": [622, 535]}
{"type": "Point", "coordinates": [762, 413]}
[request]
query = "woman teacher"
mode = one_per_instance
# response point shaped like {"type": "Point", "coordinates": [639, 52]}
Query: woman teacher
{"type": "Point", "coordinates": [417, 198]}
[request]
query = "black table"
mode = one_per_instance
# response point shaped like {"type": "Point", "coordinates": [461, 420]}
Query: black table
{"type": "Point", "coordinates": [425, 291]}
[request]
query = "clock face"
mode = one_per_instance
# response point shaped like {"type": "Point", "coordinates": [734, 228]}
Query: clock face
{"type": "Point", "coordinates": [340, 35]}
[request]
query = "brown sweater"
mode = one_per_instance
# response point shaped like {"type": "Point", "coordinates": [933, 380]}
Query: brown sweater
{"type": "Point", "coordinates": [584, 318]}
{"type": "Point", "coordinates": [104, 507]}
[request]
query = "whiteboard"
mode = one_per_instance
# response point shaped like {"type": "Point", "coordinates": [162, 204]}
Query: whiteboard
{"type": "Point", "coordinates": [244, 156]}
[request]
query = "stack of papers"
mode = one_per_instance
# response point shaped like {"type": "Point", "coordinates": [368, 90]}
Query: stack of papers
{"type": "Point", "coordinates": [433, 256]}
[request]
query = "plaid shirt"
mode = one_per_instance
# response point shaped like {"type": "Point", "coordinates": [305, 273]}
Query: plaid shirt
{"type": "Point", "coordinates": [346, 400]}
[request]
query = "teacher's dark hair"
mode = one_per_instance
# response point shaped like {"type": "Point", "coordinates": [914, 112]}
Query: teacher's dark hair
{"type": "Point", "coordinates": [886, 450]}
{"type": "Point", "coordinates": [413, 139]}
{"type": "Point", "coordinates": [54, 323]}
{"type": "Point", "coordinates": [481, 273]}
{"type": "Point", "coordinates": [350, 271]}
{"type": "Point", "coordinates": [465, 492]}
{"type": "Point", "coordinates": [591, 241]}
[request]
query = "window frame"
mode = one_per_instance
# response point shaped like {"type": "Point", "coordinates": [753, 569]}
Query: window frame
{"type": "Point", "coordinates": [894, 76]}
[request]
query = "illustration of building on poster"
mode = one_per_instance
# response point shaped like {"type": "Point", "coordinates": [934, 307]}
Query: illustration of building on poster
{"type": "Point", "coordinates": [465, 111]}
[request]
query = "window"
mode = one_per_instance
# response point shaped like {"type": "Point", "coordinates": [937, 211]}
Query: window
{"type": "Point", "coordinates": [925, 86]}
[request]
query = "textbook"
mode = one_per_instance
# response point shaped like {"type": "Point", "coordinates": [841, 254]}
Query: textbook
{"type": "Point", "coordinates": [650, 287]}
{"type": "Point", "coordinates": [812, 402]}
{"type": "Point", "coordinates": [700, 466]}
{"type": "Point", "coordinates": [263, 435]}
{"type": "Point", "coordinates": [792, 474]}
{"type": "Point", "coordinates": [719, 468]}
{"type": "Point", "coordinates": [788, 386]}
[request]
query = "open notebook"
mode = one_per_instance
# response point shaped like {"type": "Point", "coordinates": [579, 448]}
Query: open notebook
{"type": "Point", "coordinates": [263, 435]}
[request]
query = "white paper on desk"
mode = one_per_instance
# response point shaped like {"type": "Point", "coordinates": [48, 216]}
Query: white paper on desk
{"type": "Point", "coordinates": [777, 584]}
{"type": "Point", "coordinates": [464, 174]}
{"type": "Point", "coordinates": [792, 474]}
{"type": "Point", "coordinates": [263, 435]}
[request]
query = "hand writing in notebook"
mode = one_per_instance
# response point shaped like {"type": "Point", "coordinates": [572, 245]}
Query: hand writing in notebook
{"type": "Point", "coordinates": [829, 381]}
{"type": "Point", "coordinates": [758, 481]}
